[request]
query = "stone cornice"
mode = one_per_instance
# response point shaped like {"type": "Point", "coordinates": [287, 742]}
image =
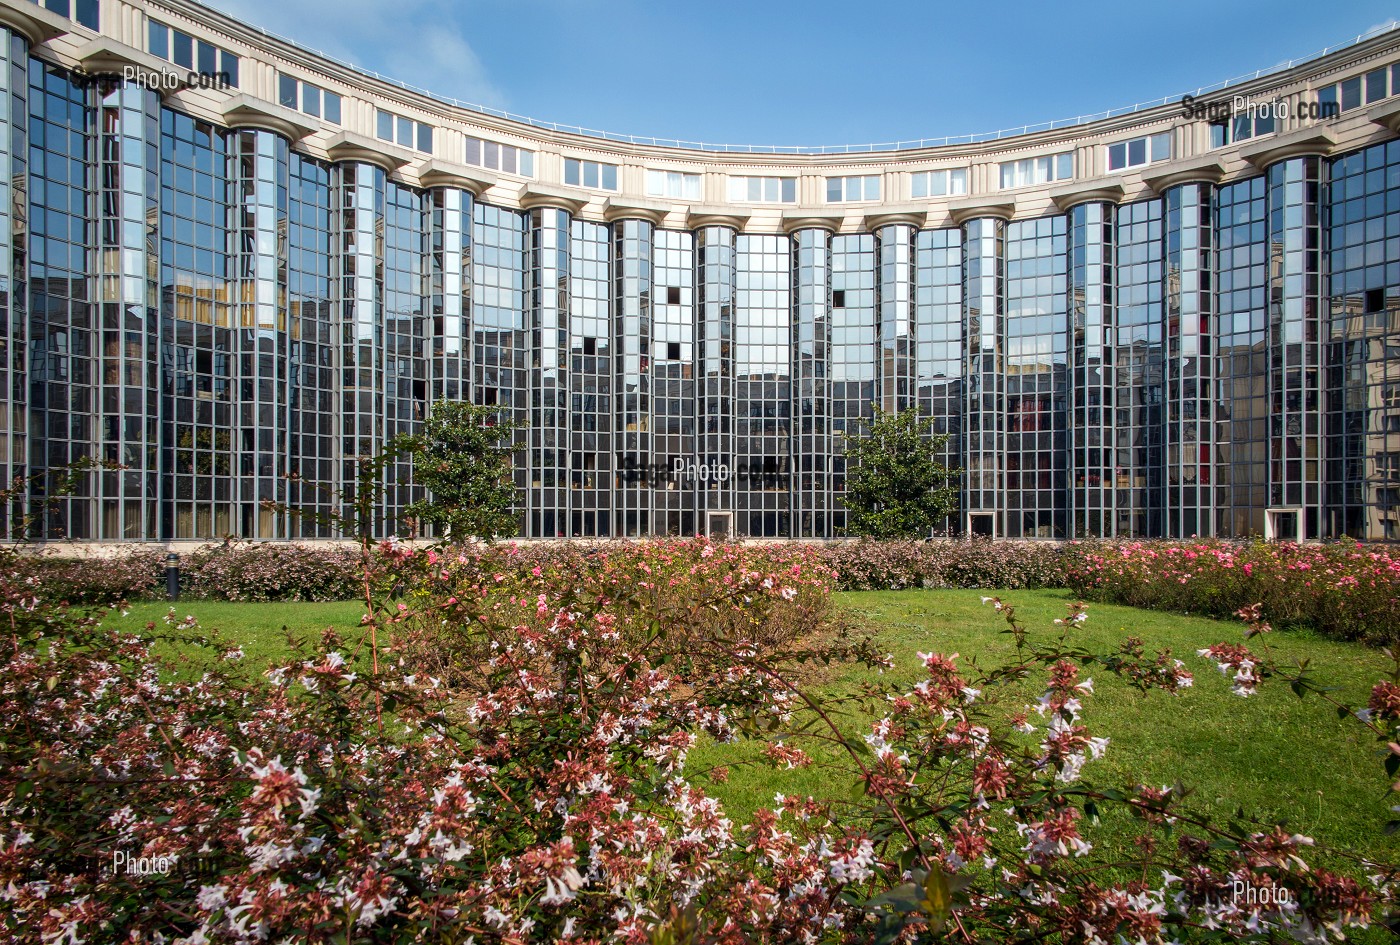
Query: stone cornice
{"type": "Point", "coordinates": [1387, 115]}
{"type": "Point", "coordinates": [1301, 143]}
{"type": "Point", "coordinates": [796, 220]}
{"type": "Point", "coordinates": [621, 208]}
{"type": "Point", "coordinates": [348, 146]}
{"type": "Point", "coordinates": [1001, 208]}
{"type": "Point", "coordinates": [34, 23]}
{"type": "Point", "coordinates": [1100, 190]}
{"type": "Point", "coordinates": [537, 196]}
{"type": "Point", "coordinates": [435, 172]}
{"type": "Point", "coordinates": [732, 217]}
{"type": "Point", "coordinates": [907, 214]}
{"type": "Point", "coordinates": [1201, 170]}
{"type": "Point", "coordinates": [245, 111]}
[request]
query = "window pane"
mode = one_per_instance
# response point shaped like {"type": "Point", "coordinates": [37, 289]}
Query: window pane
{"type": "Point", "coordinates": [311, 100]}
{"type": "Point", "coordinates": [1117, 156]}
{"type": "Point", "coordinates": [1008, 175]}
{"type": "Point", "coordinates": [183, 52]}
{"type": "Point", "coordinates": [287, 91]}
{"type": "Point", "coordinates": [228, 65]}
{"type": "Point", "coordinates": [833, 190]}
{"type": "Point", "coordinates": [590, 174]}
{"type": "Point", "coordinates": [872, 188]}
{"type": "Point", "coordinates": [738, 189]}
{"type": "Point", "coordinates": [957, 181]}
{"type": "Point", "coordinates": [208, 58]}
{"type": "Point", "coordinates": [789, 190]}
{"type": "Point", "coordinates": [571, 174]}
{"type": "Point", "coordinates": [491, 155]}
{"type": "Point", "coordinates": [918, 185]}
{"type": "Point", "coordinates": [405, 132]}
{"type": "Point", "coordinates": [158, 40]}
{"type": "Point", "coordinates": [656, 183]}
{"type": "Point", "coordinates": [1064, 166]}
{"type": "Point", "coordinates": [609, 176]}
{"type": "Point", "coordinates": [474, 151]}
{"type": "Point", "coordinates": [1264, 124]}
{"type": "Point", "coordinates": [508, 159]}
{"type": "Point", "coordinates": [1375, 85]}
{"type": "Point", "coordinates": [332, 107]}
{"type": "Point", "coordinates": [425, 138]}
{"type": "Point", "coordinates": [1137, 152]}
{"type": "Point", "coordinates": [1161, 146]}
{"type": "Point", "coordinates": [1351, 93]}
{"type": "Point", "coordinates": [385, 127]}
{"type": "Point", "coordinates": [1218, 137]}
{"type": "Point", "coordinates": [86, 13]}
{"type": "Point", "coordinates": [1326, 97]}
{"type": "Point", "coordinates": [527, 163]}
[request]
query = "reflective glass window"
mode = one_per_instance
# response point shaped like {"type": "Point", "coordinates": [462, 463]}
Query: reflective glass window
{"type": "Point", "coordinates": [850, 189]}
{"type": "Point", "coordinates": [495, 156]}
{"type": "Point", "coordinates": [1351, 93]}
{"type": "Point", "coordinates": [763, 189]}
{"type": "Point", "coordinates": [1377, 81]}
{"type": "Point", "coordinates": [950, 183]}
{"type": "Point", "coordinates": [1038, 170]}
{"type": "Point", "coordinates": [184, 50]}
{"type": "Point", "coordinates": [158, 42]}
{"type": "Point", "coordinates": [590, 174]}
{"type": "Point", "coordinates": [81, 11]}
{"type": "Point", "coordinates": [673, 184]}
{"type": "Point", "coordinates": [287, 91]}
{"type": "Point", "coordinates": [1136, 152]}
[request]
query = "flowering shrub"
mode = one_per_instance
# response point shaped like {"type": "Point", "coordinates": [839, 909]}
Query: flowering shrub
{"type": "Point", "coordinates": [971, 563]}
{"type": "Point", "coordinates": [689, 590]}
{"type": "Point", "coordinates": [1347, 590]}
{"type": "Point", "coordinates": [89, 580]}
{"type": "Point", "coordinates": [272, 571]}
{"type": "Point", "coordinates": [543, 795]}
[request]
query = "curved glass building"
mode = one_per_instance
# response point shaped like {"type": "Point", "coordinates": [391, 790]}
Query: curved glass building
{"type": "Point", "coordinates": [231, 267]}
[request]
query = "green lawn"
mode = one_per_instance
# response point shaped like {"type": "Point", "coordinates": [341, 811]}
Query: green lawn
{"type": "Point", "coordinates": [1271, 754]}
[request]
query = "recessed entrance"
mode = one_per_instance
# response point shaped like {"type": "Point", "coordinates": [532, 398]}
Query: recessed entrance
{"type": "Point", "coordinates": [1284, 524]}
{"type": "Point", "coordinates": [719, 525]}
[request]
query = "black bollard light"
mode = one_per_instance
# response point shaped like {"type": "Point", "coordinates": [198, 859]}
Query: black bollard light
{"type": "Point", "coordinates": [172, 576]}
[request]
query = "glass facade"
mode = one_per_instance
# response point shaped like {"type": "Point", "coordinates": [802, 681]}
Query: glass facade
{"type": "Point", "coordinates": [231, 317]}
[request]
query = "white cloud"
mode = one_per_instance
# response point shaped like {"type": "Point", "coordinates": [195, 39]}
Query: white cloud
{"type": "Point", "coordinates": [1383, 25]}
{"type": "Point", "coordinates": [419, 42]}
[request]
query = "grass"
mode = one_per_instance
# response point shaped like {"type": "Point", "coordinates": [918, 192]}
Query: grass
{"type": "Point", "coordinates": [1273, 755]}
{"type": "Point", "coordinates": [1276, 756]}
{"type": "Point", "coordinates": [262, 629]}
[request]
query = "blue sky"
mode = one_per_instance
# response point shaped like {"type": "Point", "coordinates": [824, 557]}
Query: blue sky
{"type": "Point", "coordinates": [813, 72]}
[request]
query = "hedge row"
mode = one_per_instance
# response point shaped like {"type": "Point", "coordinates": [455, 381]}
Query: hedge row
{"type": "Point", "coordinates": [1346, 590]}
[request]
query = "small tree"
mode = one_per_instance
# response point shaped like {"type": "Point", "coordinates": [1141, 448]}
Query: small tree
{"type": "Point", "coordinates": [463, 457]}
{"type": "Point", "coordinates": [895, 485]}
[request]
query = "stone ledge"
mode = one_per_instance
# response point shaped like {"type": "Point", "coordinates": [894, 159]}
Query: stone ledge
{"type": "Point", "coordinates": [1001, 208]}
{"type": "Point", "coordinates": [1099, 190]}
{"type": "Point", "coordinates": [349, 146]}
{"type": "Point", "coordinates": [1202, 170]}
{"type": "Point", "coordinates": [1304, 142]}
